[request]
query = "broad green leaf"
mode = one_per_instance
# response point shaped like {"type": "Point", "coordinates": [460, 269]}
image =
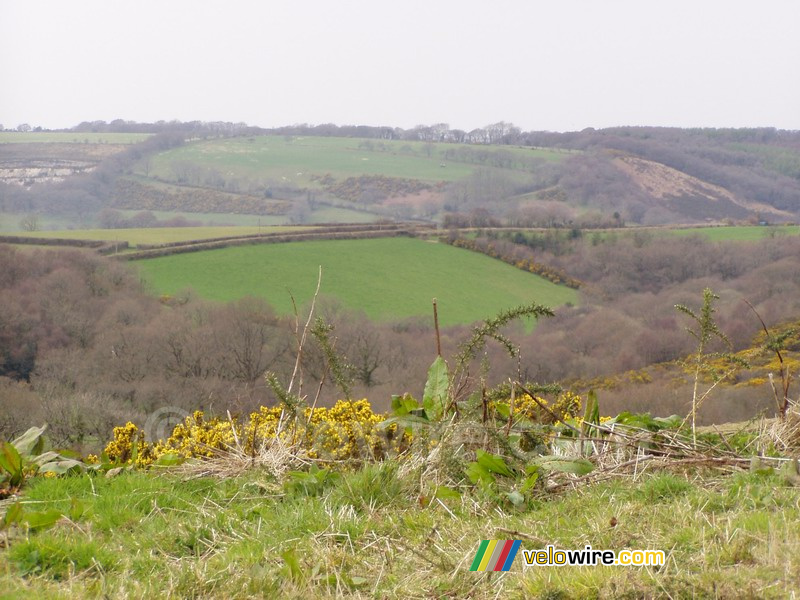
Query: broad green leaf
{"type": "Point", "coordinates": [31, 442]}
{"type": "Point", "coordinates": [516, 498]}
{"type": "Point", "coordinates": [170, 459]}
{"type": "Point", "coordinates": [40, 520]}
{"type": "Point", "coordinates": [646, 421]}
{"type": "Point", "coordinates": [503, 409]}
{"type": "Point", "coordinates": [446, 493]}
{"type": "Point", "coordinates": [11, 462]}
{"type": "Point", "coordinates": [530, 481]}
{"type": "Point", "coordinates": [493, 463]}
{"type": "Point", "coordinates": [405, 421]}
{"type": "Point", "coordinates": [591, 415]}
{"type": "Point", "coordinates": [434, 398]}
{"type": "Point", "coordinates": [13, 515]}
{"type": "Point", "coordinates": [403, 405]}
{"type": "Point", "coordinates": [46, 457]}
{"type": "Point", "coordinates": [477, 473]}
{"type": "Point", "coordinates": [355, 581]}
{"type": "Point", "coordinates": [62, 467]}
{"type": "Point", "coordinates": [578, 466]}
{"type": "Point", "coordinates": [671, 422]}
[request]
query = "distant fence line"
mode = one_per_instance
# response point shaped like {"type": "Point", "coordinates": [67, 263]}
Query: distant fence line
{"type": "Point", "coordinates": [101, 246]}
{"type": "Point", "coordinates": [337, 232]}
{"type": "Point", "coordinates": [265, 239]}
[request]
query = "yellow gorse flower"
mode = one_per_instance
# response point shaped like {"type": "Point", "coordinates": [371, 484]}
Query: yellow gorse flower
{"type": "Point", "coordinates": [346, 431]}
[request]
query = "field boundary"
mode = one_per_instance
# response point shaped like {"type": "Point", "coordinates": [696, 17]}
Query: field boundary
{"type": "Point", "coordinates": [100, 246]}
{"type": "Point", "coordinates": [345, 232]}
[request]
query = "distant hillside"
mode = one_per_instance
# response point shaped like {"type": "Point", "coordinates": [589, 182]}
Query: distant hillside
{"type": "Point", "coordinates": [496, 175]}
{"type": "Point", "coordinates": [663, 175]}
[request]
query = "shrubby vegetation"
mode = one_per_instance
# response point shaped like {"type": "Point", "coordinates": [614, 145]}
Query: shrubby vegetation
{"type": "Point", "coordinates": [84, 347]}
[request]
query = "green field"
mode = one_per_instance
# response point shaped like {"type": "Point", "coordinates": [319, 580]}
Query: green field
{"type": "Point", "coordinates": [295, 160]}
{"type": "Point", "coordinates": [740, 233]}
{"type": "Point", "coordinates": [10, 222]}
{"type": "Point", "coordinates": [159, 235]}
{"type": "Point", "coordinates": [214, 219]}
{"type": "Point", "coordinates": [386, 278]}
{"type": "Point", "coordinates": [70, 137]}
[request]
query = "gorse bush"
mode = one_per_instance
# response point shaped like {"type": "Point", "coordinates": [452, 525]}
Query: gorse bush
{"type": "Point", "coordinates": [347, 431]}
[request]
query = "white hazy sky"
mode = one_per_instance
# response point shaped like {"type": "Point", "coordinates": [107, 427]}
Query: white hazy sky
{"type": "Point", "coordinates": [556, 65]}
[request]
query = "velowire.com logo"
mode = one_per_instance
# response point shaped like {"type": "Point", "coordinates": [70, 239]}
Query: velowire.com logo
{"type": "Point", "coordinates": [495, 555]}
{"type": "Point", "coordinates": [498, 555]}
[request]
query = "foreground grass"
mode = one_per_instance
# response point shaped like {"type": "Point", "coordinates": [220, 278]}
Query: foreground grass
{"type": "Point", "coordinates": [369, 535]}
{"type": "Point", "coordinates": [389, 278]}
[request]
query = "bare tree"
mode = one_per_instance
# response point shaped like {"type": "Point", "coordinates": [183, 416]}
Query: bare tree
{"type": "Point", "coordinates": [29, 222]}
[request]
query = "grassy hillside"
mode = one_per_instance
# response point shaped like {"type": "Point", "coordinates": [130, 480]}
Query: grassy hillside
{"type": "Point", "coordinates": [742, 233]}
{"type": "Point", "coordinates": [295, 160]}
{"type": "Point", "coordinates": [387, 278]}
{"type": "Point", "coordinates": [158, 235]}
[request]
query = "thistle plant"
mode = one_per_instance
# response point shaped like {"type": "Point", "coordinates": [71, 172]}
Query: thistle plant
{"type": "Point", "coordinates": [705, 331]}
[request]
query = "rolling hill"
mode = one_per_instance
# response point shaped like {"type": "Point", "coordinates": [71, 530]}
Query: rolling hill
{"type": "Point", "coordinates": [630, 175]}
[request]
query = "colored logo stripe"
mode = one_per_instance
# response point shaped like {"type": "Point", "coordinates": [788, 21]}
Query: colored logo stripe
{"type": "Point", "coordinates": [487, 556]}
{"type": "Point", "coordinates": [501, 560]}
{"type": "Point", "coordinates": [495, 555]}
{"type": "Point", "coordinates": [479, 556]}
{"type": "Point", "coordinates": [512, 555]}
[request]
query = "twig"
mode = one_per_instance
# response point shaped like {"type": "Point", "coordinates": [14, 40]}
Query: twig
{"type": "Point", "coordinates": [558, 419]}
{"type": "Point", "coordinates": [436, 327]}
{"type": "Point", "coordinates": [724, 439]}
{"type": "Point", "coordinates": [511, 410]}
{"type": "Point", "coordinates": [785, 377]}
{"type": "Point", "coordinates": [518, 535]}
{"type": "Point", "coordinates": [301, 342]}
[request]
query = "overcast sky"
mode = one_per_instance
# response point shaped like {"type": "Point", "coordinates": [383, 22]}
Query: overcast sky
{"type": "Point", "coordinates": [557, 65]}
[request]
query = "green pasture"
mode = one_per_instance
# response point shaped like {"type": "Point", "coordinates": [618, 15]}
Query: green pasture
{"type": "Point", "coordinates": [388, 278]}
{"type": "Point", "coordinates": [159, 235]}
{"type": "Point", "coordinates": [56, 226]}
{"type": "Point", "coordinates": [295, 160]}
{"type": "Point", "coordinates": [214, 219]}
{"type": "Point", "coordinates": [340, 214]}
{"type": "Point", "coordinates": [739, 233]}
{"type": "Point", "coordinates": [10, 222]}
{"type": "Point", "coordinates": [70, 137]}
{"type": "Point", "coordinates": [323, 213]}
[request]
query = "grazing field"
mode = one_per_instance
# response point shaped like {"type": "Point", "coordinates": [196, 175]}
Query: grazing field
{"type": "Point", "coordinates": [337, 214]}
{"type": "Point", "coordinates": [388, 278]}
{"type": "Point", "coordinates": [70, 137]}
{"type": "Point", "coordinates": [159, 235]}
{"type": "Point", "coordinates": [740, 233]}
{"type": "Point", "coordinates": [208, 219]}
{"type": "Point", "coordinates": [295, 160]}
{"type": "Point", "coordinates": [10, 222]}
{"type": "Point", "coordinates": [322, 214]}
